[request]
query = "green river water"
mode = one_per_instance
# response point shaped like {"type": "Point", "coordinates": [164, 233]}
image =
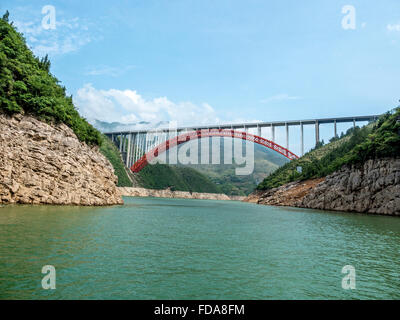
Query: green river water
{"type": "Point", "coordinates": [196, 249]}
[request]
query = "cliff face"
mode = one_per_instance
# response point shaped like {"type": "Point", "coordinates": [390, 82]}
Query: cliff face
{"type": "Point", "coordinates": [46, 164]}
{"type": "Point", "coordinates": [287, 195]}
{"type": "Point", "coordinates": [373, 187]}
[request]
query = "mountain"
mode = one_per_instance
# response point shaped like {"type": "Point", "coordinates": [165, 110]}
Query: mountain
{"type": "Point", "coordinates": [28, 87]}
{"type": "Point", "coordinates": [48, 153]}
{"type": "Point", "coordinates": [104, 126]}
{"type": "Point", "coordinates": [355, 173]}
{"type": "Point", "coordinates": [266, 161]}
{"type": "Point", "coordinates": [159, 176]}
{"type": "Point", "coordinates": [374, 141]}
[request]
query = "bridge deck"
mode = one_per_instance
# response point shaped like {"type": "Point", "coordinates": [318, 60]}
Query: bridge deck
{"type": "Point", "coordinates": [257, 124]}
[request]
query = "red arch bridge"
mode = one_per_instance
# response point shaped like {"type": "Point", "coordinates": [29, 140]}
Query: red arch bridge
{"type": "Point", "coordinates": [140, 147]}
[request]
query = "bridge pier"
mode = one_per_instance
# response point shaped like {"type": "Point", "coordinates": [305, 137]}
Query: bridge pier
{"type": "Point", "coordinates": [335, 128]}
{"type": "Point", "coordinates": [273, 132]}
{"type": "Point", "coordinates": [137, 141]}
{"type": "Point", "coordinates": [302, 138]}
{"type": "Point", "coordinates": [316, 132]}
{"type": "Point", "coordinates": [287, 136]}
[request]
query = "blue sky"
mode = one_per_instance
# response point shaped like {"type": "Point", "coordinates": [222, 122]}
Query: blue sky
{"type": "Point", "coordinates": [219, 61]}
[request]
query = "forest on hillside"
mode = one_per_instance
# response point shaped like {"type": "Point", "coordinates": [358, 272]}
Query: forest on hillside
{"type": "Point", "coordinates": [27, 86]}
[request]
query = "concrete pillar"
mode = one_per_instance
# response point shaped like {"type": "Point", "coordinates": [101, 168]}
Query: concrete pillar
{"type": "Point", "coordinates": [124, 143]}
{"type": "Point", "coordinates": [354, 123]}
{"type": "Point", "coordinates": [258, 130]}
{"type": "Point", "coordinates": [302, 138]}
{"type": "Point", "coordinates": [143, 148]}
{"type": "Point", "coordinates": [316, 132]}
{"type": "Point", "coordinates": [148, 141]}
{"type": "Point", "coordinates": [335, 129]}
{"type": "Point", "coordinates": [120, 143]}
{"type": "Point", "coordinates": [128, 151]}
{"type": "Point", "coordinates": [138, 142]}
{"type": "Point", "coordinates": [158, 138]}
{"type": "Point", "coordinates": [134, 146]}
{"type": "Point", "coordinates": [273, 132]}
{"type": "Point", "coordinates": [132, 150]}
{"type": "Point", "coordinates": [140, 151]}
{"type": "Point", "coordinates": [287, 136]}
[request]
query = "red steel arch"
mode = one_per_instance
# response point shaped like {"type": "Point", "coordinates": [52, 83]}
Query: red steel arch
{"type": "Point", "coordinates": [198, 134]}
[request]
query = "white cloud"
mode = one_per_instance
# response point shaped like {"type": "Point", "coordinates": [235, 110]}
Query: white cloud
{"type": "Point", "coordinates": [393, 27]}
{"type": "Point", "coordinates": [108, 71]}
{"type": "Point", "coordinates": [128, 106]}
{"type": "Point", "coordinates": [69, 36]}
{"type": "Point", "coordinates": [280, 97]}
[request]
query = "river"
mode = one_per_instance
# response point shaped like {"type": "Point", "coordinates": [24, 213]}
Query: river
{"type": "Point", "coordinates": [196, 249]}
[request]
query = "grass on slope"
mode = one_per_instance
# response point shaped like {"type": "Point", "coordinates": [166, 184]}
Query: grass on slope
{"type": "Point", "coordinates": [110, 151]}
{"type": "Point", "coordinates": [27, 86]}
{"type": "Point", "coordinates": [378, 140]}
{"type": "Point", "coordinates": [161, 176]}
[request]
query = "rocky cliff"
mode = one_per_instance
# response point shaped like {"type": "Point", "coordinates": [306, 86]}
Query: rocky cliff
{"type": "Point", "coordinates": [47, 164]}
{"type": "Point", "coordinates": [287, 195]}
{"type": "Point", "coordinates": [373, 187]}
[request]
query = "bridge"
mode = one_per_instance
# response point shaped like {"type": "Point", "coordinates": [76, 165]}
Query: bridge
{"type": "Point", "coordinates": [138, 147]}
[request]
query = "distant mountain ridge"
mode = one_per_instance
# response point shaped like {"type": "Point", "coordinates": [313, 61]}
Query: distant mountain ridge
{"type": "Point", "coordinates": [104, 126]}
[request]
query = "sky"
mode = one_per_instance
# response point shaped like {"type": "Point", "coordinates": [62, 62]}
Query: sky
{"type": "Point", "coordinates": [226, 61]}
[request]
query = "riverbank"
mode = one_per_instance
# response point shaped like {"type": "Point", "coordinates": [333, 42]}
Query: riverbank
{"type": "Point", "coordinates": [373, 187]}
{"type": "Point", "coordinates": [168, 193]}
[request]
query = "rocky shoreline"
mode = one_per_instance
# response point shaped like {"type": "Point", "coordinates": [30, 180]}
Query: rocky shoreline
{"type": "Point", "coordinates": [168, 193]}
{"type": "Point", "coordinates": [373, 187]}
{"type": "Point", "coordinates": [47, 164]}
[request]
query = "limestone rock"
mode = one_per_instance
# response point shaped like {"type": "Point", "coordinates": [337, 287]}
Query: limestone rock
{"type": "Point", "coordinates": [168, 193]}
{"type": "Point", "coordinates": [373, 187]}
{"type": "Point", "coordinates": [47, 164]}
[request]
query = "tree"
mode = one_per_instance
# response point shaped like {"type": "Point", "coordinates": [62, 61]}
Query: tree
{"type": "Point", "coordinates": [45, 63]}
{"type": "Point", "coordinates": [5, 16]}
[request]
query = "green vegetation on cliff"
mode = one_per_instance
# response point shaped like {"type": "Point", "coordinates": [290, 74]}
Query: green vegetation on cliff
{"type": "Point", "coordinates": [378, 140]}
{"type": "Point", "coordinates": [162, 176]}
{"type": "Point", "coordinates": [27, 86]}
{"type": "Point", "coordinates": [110, 151]}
